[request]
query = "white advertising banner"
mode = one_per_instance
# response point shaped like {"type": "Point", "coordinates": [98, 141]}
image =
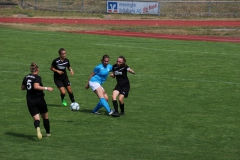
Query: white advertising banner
{"type": "Point", "coordinates": [132, 7]}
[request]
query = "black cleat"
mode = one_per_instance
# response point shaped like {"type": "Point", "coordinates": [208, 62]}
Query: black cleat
{"type": "Point", "coordinates": [116, 114]}
{"type": "Point", "coordinates": [122, 113]}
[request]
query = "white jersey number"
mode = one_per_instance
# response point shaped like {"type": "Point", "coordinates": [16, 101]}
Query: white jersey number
{"type": "Point", "coordinates": [29, 85]}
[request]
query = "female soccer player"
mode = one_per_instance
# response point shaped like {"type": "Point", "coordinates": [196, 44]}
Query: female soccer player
{"type": "Point", "coordinates": [96, 79]}
{"type": "Point", "coordinates": [35, 99]}
{"type": "Point", "coordinates": [61, 80]}
{"type": "Point", "coordinates": [122, 88]}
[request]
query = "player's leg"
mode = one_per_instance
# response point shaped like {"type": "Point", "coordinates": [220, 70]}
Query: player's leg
{"type": "Point", "coordinates": [37, 125]}
{"type": "Point", "coordinates": [63, 93]}
{"type": "Point", "coordinates": [44, 113]}
{"type": "Point", "coordinates": [123, 94]}
{"type": "Point", "coordinates": [102, 95]}
{"type": "Point", "coordinates": [67, 85]}
{"type": "Point", "coordinates": [58, 82]}
{"type": "Point", "coordinates": [33, 110]}
{"type": "Point", "coordinates": [121, 102]}
{"type": "Point", "coordinates": [70, 93]}
{"type": "Point", "coordinates": [46, 123]}
{"type": "Point", "coordinates": [115, 103]}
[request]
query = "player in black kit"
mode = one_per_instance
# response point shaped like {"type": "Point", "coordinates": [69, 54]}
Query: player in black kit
{"type": "Point", "coordinates": [35, 99]}
{"type": "Point", "coordinates": [61, 80]}
{"type": "Point", "coordinates": [122, 88]}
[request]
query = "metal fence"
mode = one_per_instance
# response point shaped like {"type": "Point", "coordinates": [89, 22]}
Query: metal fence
{"type": "Point", "coordinates": [168, 8]}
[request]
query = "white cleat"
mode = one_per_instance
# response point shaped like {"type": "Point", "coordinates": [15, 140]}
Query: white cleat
{"type": "Point", "coordinates": [39, 134]}
{"type": "Point", "coordinates": [48, 135]}
{"type": "Point", "coordinates": [111, 112]}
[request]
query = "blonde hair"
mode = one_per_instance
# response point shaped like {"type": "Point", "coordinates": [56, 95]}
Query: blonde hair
{"type": "Point", "coordinates": [33, 67]}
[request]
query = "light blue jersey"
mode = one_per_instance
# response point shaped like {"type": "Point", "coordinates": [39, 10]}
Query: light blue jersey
{"type": "Point", "coordinates": [101, 73]}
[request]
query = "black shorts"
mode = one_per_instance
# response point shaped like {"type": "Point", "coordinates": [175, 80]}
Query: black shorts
{"type": "Point", "coordinates": [123, 90]}
{"type": "Point", "coordinates": [62, 82]}
{"type": "Point", "coordinates": [36, 106]}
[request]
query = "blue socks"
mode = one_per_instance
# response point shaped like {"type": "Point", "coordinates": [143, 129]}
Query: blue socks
{"type": "Point", "coordinates": [105, 104]}
{"type": "Point", "coordinates": [101, 103]}
{"type": "Point", "coordinates": [98, 106]}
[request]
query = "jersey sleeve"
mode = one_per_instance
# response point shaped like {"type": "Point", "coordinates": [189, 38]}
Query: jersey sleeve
{"type": "Point", "coordinates": [23, 81]}
{"type": "Point", "coordinates": [110, 68]}
{"type": "Point", "coordinates": [127, 67]}
{"type": "Point", "coordinates": [96, 70]}
{"type": "Point", "coordinates": [68, 65]}
{"type": "Point", "coordinates": [38, 79]}
{"type": "Point", "coordinates": [53, 63]}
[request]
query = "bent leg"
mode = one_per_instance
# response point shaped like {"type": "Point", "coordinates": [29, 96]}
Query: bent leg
{"type": "Point", "coordinates": [46, 122]}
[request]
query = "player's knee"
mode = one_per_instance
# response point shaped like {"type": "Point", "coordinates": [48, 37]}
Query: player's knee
{"type": "Point", "coordinates": [120, 100]}
{"type": "Point", "coordinates": [106, 98]}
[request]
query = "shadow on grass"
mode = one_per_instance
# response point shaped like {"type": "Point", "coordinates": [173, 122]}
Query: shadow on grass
{"type": "Point", "coordinates": [30, 137]}
{"type": "Point", "coordinates": [54, 105]}
{"type": "Point", "coordinates": [88, 111]}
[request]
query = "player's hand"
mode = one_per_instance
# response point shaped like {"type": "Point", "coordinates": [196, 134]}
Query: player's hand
{"type": "Point", "coordinates": [50, 89]}
{"type": "Point", "coordinates": [60, 72]}
{"type": "Point", "coordinates": [71, 72]}
{"type": "Point", "coordinates": [112, 75]}
{"type": "Point", "coordinates": [87, 86]}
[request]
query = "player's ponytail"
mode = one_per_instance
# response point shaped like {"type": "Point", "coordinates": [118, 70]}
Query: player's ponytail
{"type": "Point", "coordinates": [33, 67]}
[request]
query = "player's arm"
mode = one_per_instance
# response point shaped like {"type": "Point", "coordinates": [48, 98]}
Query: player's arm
{"type": "Point", "coordinates": [71, 70]}
{"type": "Point", "coordinates": [131, 71]}
{"type": "Point", "coordinates": [55, 70]}
{"type": "Point", "coordinates": [41, 88]}
{"type": "Point", "coordinates": [112, 75]}
{"type": "Point", "coordinates": [23, 87]}
{"type": "Point", "coordinates": [87, 85]}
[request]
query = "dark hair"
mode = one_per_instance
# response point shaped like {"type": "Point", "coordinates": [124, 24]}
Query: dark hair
{"type": "Point", "coordinates": [124, 60]}
{"type": "Point", "coordinates": [60, 50]}
{"type": "Point", "coordinates": [104, 56]}
{"type": "Point", "coordinates": [33, 67]}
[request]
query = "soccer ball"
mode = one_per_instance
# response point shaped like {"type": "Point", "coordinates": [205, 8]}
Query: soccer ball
{"type": "Point", "coordinates": [74, 106]}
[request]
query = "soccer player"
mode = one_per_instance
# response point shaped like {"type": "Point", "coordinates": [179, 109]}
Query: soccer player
{"type": "Point", "coordinates": [35, 99]}
{"type": "Point", "coordinates": [60, 76]}
{"type": "Point", "coordinates": [96, 79]}
{"type": "Point", "coordinates": [122, 87]}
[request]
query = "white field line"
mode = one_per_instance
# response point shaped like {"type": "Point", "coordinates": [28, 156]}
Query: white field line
{"type": "Point", "coordinates": [152, 76]}
{"type": "Point", "coordinates": [167, 50]}
{"type": "Point", "coordinates": [181, 79]}
{"type": "Point", "coordinates": [184, 79]}
{"type": "Point", "coordinates": [177, 43]}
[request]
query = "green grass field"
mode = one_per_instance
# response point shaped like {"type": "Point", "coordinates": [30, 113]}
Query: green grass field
{"type": "Point", "coordinates": [183, 103]}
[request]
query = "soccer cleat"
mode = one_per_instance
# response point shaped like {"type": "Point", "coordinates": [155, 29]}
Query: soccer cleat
{"type": "Point", "coordinates": [111, 112]}
{"type": "Point", "coordinates": [116, 114]}
{"type": "Point", "coordinates": [48, 135]}
{"type": "Point", "coordinates": [95, 113]}
{"type": "Point", "coordinates": [39, 134]}
{"type": "Point", "coordinates": [122, 113]}
{"type": "Point", "coordinates": [64, 102]}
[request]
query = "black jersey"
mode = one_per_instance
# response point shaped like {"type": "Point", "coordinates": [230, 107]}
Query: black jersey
{"type": "Point", "coordinates": [121, 75]}
{"type": "Point", "coordinates": [28, 82]}
{"type": "Point", "coordinates": [60, 65]}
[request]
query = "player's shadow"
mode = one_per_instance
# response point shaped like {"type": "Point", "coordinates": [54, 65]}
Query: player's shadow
{"type": "Point", "coordinates": [54, 105]}
{"type": "Point", "coordinates": [30, 137]}
{"type": "Point", "coordinates": [89, 111]}
{"type": "Point", "coordinates": [85, 110]}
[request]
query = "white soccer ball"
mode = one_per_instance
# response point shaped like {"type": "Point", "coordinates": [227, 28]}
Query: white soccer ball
{"type": "Point", "coordinates": [74, 106]}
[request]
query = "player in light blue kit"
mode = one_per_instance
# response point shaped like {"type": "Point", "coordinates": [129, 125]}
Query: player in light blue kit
{"type": "Point", "coordinates": [96, 79]}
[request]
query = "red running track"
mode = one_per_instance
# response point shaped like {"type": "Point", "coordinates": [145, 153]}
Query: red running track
{"type": "Point", "coordinates": [137, 23]}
